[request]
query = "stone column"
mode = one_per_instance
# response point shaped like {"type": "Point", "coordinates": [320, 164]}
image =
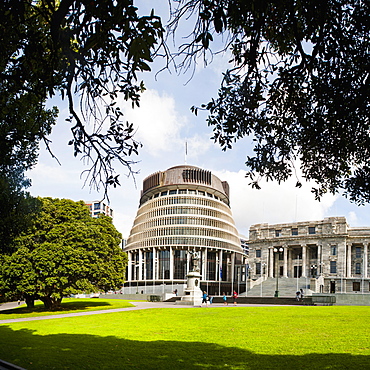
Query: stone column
{"type": "Point", "coordinates": [365, 260]}
{"type": "Point", "coordinates": [171, 262]}
{"type": "Point", "coordinates": [304, 260]}
{"type": "Point", "coordinates": [188, 255]}
{"type": "Point", "coordinates": [349, 260]}
{"type": "Point", "coordinates": [232, 278]}
{"type": "Point", "coordinates": [156, 264]}
{"type": "Point", "coordinates": [204, 264]}
{"type": "Point", "coordinates": [129, 266]}
{"type": "Point", "coordinates": [220, 265]}
{"type": "Point", "coordinates": [271, 262]}
{"type": "Point", "coordinates": [217, 277]}
{"type": "Point", "coordinates": [285, 268]}
{"type": "Point", "coordinates": [140, 265]}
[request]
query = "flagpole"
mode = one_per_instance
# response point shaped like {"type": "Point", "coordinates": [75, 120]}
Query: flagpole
{"type": "Point", "coordinates": [186, 151]}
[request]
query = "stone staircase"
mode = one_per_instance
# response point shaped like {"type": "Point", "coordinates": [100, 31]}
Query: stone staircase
{"type": "Point", "coordinates": [287, 287]}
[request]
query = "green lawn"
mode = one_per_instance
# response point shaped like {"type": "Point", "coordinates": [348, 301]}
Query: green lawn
{"type": "Point", "coordinates": [69, 305]}
{"type": "Point", "coordinates": [336, 337]}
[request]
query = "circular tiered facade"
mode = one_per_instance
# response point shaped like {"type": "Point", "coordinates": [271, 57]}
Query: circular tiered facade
{"type": "Point", "coordinates": [184, 209]}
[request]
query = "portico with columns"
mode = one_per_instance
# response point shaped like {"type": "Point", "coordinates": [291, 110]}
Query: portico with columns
{"type": "Point", "coordinates": [329, 250]}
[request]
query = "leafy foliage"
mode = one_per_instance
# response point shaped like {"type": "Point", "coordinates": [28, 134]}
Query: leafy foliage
{"type": "Point", "coordinates": [88, 52]}
{"type": "Point", "coordinates": [299, 84]}
{"type": "Point", "coordinates": [65, 251]}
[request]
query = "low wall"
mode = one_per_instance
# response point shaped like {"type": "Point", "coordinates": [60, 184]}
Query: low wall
{"type": "Point", "coordinates": [352, 299]}
{"type": "Point", "coordinates": [347, 299]}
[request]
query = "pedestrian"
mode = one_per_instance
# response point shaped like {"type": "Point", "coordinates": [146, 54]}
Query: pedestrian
{"type": "Point", "coordinates": [225, 300]}
{"type": "Point", "coordinates": [210, 299]}
{"type": "Point", "coordinates": [175, 291]}
{"type": "Point", "coordinates": [302, 294]}
{"type": "Point", "coordinates": [297, 295]}
{"type": "Point", "coordinates": [204, 300]}
{"type": "Point", "coordinates": [235, 297]}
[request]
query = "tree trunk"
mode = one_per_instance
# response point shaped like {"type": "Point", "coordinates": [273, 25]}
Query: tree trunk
{"type": "Point", "coordinates": [51, 303]}
{"type": "Point", "coordinates": [30, 301]}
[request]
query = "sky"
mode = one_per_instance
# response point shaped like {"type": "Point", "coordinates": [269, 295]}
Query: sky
{"type": "Point", "coordinates": [164, 124]}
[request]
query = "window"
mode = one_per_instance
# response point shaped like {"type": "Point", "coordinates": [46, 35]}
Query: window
{"type": "Point", "coordinates": [333, 267]}
{"type": "Point", "coordinates": [182, 191]}
{"type": "Point", "coordinates": [258, 253]}
{"type": "Point", "coordinates": [358, 252]}
{"type": "Point", "coordinates": [333, 249]}
{"type": "Point", "coordinates": [312, 230]}
{"type": "Point", "coordinates": [163, 193]}
{"type": "Point", "coordinates": [295, 231]}
{"type": "Point", "coordinates": [358, 268]}
{"type": "Point", "coordinates": [277, 233]}
{"type": "Point", "coordinates": [172, 192]}
{"type": "Point", "coordinates": [356, 286]}
{"type": "Point", "coordinates": [258, 268]}
{"type": "Point", "coordinates": [96, 206]}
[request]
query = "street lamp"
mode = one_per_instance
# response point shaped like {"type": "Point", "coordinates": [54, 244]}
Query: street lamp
{"type": "Point", "coordinates": [263, 265]}
{"type": "Point", "coordinates": [278, 251]}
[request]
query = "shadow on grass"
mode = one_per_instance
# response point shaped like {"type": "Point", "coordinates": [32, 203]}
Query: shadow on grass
{"type": "Point", "coordinates": [65, 308]}
{"type": "Point", "coordinates": [74, 351]}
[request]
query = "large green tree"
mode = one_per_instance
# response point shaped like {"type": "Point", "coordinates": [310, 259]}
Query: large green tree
{"type": "Point", "coordinates": [298, 80]}
{"type": "Point", "coordinates": [298, 83]}
{"type": "Point", "coordinates": [88, 52]}
{"type": "Point", "coordinates": [24, 122]}
{"type": "Point", "coordinates": [64, 251]}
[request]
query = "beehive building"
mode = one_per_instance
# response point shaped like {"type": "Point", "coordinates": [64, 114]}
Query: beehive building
{"type": "Point", "coordinates": [183, 209]}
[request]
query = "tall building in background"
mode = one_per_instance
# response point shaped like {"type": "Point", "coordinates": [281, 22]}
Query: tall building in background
{"type": "Point", "coordinates": [181, 210]}
{"type": "Point", "coordinates": [97, 207]}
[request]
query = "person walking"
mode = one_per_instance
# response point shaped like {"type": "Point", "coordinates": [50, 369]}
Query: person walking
{"type": "Point", "coordinates": [204, 300]}
{"type": "Point", "coordinates": [235, 297]}
{"type": "Point", "coordinates": [225, 300]}
{"type": "Point", "coordinates": [302, 294]}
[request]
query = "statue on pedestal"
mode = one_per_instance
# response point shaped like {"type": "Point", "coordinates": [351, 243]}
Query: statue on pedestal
{"type": "Point", "coordinates": [195, 260]}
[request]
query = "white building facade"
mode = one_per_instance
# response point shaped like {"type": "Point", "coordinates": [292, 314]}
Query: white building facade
{"type": "Point", "coordinates": [334, 256]}
{"type": "Point", "coordinates": [184, 209]}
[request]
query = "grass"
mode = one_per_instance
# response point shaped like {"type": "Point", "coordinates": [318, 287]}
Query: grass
{"type": "Point", "coordinates": [69, 305]}
{"type": "Point", "coordinates": [336, 337]}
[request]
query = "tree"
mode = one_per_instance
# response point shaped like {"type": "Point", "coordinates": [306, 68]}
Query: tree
{"type": "Point", "coordinates": [24, 122]}
{"type": "Point", "coordinates": [299, 84]}
{"type": "Point", "coordinates": [65, 251]}
{"type": "Point", "coordinates": [88, 52]}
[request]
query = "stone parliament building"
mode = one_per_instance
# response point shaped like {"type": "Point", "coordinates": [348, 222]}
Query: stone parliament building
{"type": "Point", "coordinates": [186, 209]}
{"type": "Point", "coordinates": [330, 254]}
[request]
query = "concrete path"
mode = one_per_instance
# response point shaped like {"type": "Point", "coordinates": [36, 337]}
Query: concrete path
{"type": "Point", "coordinates": [137, 306]}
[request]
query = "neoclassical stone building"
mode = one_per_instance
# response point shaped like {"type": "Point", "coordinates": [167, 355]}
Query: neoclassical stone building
{"type": "Point", "coordinates": [333, 255]}
{"type": "Point", "coordinates": [183, 209]}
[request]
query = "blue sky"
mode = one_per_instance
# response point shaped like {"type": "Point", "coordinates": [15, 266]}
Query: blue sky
{"type": "Point", "coordinates": [164, 123]}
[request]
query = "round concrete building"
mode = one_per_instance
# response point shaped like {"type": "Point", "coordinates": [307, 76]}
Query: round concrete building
{"type": "Point", "coordinates": [184, 209]}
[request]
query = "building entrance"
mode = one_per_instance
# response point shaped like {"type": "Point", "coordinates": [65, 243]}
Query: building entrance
{"type": "Point", "coordinates": [297, 271]}
{"type": "Point", "coordinates": [332, 287]}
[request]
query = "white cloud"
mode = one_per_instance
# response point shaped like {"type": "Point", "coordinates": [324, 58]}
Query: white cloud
{"type": "Point", "coordinates": [158, 122]}
{"type": "Point", "coordinates": [352, 218]}
{"type": "Point", "coordinates": [272, 204]}
{"type": "Point", "coordinates": [198, 145]}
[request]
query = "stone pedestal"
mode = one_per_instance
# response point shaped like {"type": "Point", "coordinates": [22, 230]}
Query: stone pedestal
{"type": "Point", "coordinates": [192, 293]}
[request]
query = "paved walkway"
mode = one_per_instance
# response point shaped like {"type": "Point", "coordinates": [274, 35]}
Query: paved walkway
{"type": "Point", "coordinates": [137, 306]}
